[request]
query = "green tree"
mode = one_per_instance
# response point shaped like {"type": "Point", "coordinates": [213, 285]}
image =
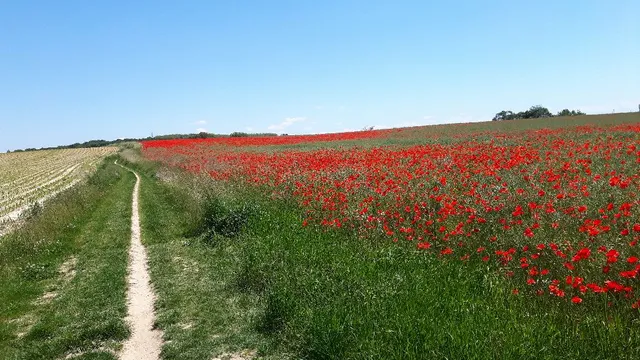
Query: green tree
{"type": "Point", "coordinates": [567, 112]}
{"type": "Point", "coordinates": [535, 112]}
{"type": "Point", "coordinates": [504, 115]}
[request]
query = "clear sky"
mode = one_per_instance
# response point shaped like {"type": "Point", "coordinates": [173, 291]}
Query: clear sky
{"type": "Point", "coordinates": [72, 71]}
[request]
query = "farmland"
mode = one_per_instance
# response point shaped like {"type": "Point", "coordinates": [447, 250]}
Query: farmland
{"type": "Point", "coordinates": [556, 210]}
{"type": "Point", "coordinates": [511, 239]}
{"type": "Point", "coordinates": [27, 177]}
{"type": "Point", "coordinates": [376, 242]}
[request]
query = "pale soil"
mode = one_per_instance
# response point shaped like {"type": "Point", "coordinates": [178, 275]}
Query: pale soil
{"type": "Point", "coordinates": [244, 355]}
{"type": "Point", "coordinates": [10, 221]}
{"type": "Point", "coordinates": [145, 342]}
{"type": "Point", "coordinates": [64, 174]}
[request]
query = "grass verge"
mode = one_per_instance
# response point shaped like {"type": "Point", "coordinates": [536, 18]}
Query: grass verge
{"type": "Point", "coordinates": [62, 282]}
{"type": "Point", "coordinates": [201, 313]}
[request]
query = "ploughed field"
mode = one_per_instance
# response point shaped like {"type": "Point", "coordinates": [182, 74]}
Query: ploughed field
{"type": "Point", "coordinates": [552, 206]}
{"type": "Point", "coordinates": [28, 177]}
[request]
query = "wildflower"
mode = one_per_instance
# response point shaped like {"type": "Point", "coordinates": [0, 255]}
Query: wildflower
{"type": "Point", "coordinates": [582, 254]}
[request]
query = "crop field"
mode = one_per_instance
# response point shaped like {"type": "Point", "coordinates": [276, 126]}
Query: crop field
{"type": "Point", "coordinates": [557, 211]}
{"type": "Point", "coordinates": [27, 177]}
{"type": "Point", "coordinates": [528, 227]}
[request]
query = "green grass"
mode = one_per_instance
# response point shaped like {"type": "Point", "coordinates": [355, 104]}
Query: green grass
{"type": "Point", "coordinates": [329, 295]}
{"type": "Point", "coordinates": [294, 292]}
{"type": "Point", "coordinates": [201, 312]}
{"type": "Point", "coordinates": [47, 313]}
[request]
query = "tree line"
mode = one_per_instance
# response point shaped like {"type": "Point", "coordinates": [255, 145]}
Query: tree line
{"type": "Point", "coordinates": [534, 112]}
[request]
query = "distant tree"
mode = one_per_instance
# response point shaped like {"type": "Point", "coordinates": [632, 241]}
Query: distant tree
{"type": "Point", "coordinates": [567, 112]}
{"type": "Point", "coordinates": [238, 134]}
{"type": "Point", "coordinates": [504, 115]}
{"type": "Point", "coordinates": [534, 112]}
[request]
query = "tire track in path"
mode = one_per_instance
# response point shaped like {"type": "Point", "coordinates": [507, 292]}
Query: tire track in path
{"type": "Point", "coordinates": [145, 342]}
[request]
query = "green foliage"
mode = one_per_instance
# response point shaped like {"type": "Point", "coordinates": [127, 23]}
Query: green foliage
{"type": "Point", "coordinates": [535, 112]}
{"type": "Point", "coordinates": [238, 134]}
{"type": "Point", "coordinates": [567, 112]}
{"type": "Point", "coordinates": [244, 134]}
{"type": "Point", "coordinates": [220, 220]}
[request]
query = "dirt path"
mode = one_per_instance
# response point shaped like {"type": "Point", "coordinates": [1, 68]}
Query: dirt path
{"type": "Point", "coordinates": [145, 342]}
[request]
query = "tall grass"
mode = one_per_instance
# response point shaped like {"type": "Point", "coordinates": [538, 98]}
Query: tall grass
{"type": "Point", "coordinates": [330, 295]}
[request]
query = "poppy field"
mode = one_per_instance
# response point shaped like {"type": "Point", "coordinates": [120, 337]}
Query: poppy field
{"type": "Point", "coordinates": [436, 240]}
{"type": "Point", "coordinates": [558, 211]}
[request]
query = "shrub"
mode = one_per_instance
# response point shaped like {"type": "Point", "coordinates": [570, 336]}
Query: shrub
{"type": "Point", "coordinates": [219, 220]}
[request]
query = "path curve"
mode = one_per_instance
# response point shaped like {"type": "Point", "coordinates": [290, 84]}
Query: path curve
{"type": "Point", "coordinates": [145, 342]}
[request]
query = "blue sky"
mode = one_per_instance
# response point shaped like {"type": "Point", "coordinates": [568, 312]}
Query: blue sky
{"type": "Point", "coordinates": [73, 71]}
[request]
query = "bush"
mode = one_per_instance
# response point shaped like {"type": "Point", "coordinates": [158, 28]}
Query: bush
{"type": "Point", "coordinates": [219, 220]}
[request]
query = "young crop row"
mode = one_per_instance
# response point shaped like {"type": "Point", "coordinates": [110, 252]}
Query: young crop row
{"type": "Point", "coordinates": [8, 195]}
{"type": "Point", "coordinates": [26, 178]}
{"type": "Point", "coordinates": [556, 211]}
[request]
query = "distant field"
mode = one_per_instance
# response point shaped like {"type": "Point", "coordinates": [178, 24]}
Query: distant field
{"type": "Point", "coordinates": [28, 177]}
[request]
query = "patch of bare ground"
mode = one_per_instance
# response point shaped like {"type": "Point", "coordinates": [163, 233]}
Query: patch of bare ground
{"type": "Point", "coordinates": [66, 273]}
{"type": "Point", "coordinates": [242, 355]}
{"type": "Point", "coordinates": [23, 324]}
{"type": "Point", "coordinates": [99, 349]}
